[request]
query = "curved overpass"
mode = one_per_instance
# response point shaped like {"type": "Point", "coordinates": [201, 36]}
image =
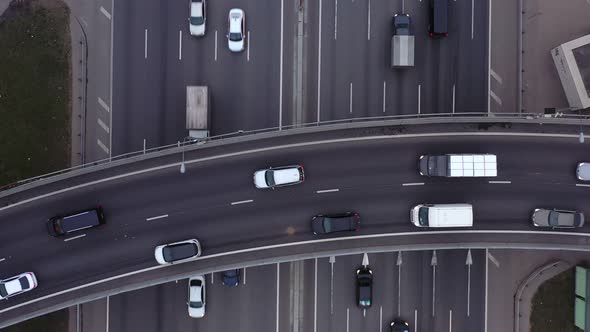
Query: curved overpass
{"type": "Point", "coordinates": [371, 174]}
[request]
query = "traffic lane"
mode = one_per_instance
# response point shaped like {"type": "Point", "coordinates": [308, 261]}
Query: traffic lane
{"type": "Point", "coordinates": [289, 23]}
{"type": "Point", "coordinates": [413, 287]}
{"type": "Point", "coordinates": [471, 71]}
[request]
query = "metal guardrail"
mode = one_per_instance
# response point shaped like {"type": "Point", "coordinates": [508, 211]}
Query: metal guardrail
{"type": "Point", "coordinates": [500, 117]}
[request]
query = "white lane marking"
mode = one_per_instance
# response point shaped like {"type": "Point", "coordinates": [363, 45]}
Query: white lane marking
{"type": "Point", "coordinates": [215, 45]}
{"type": "Point", "coordinates": [418, 98]}
{"type": "Point", "coordinates": [496, 98]}
{"type": "Point", "coordinates": [103, 125]}
{"type": "Point", "coordinates": [319, 59]}
{"type": "Point", "coordinates": [489, 58]}
{"type": "Point", "coordinates": [212, 278]}
{"type": "Point", "coordinates": [451, 320]}
{"type": "Point", "coordinates": [453, 98]}
{"type": "Point", "coordinates": [381, 318]}
{"type": "Point", "coordinates": [104, 105]}
{"type": "Point", "coordinates": [485, 301]}
{"type": "Point", "coordinates": [307, 243]}
{"type": "Point", "coordinates": [327, 191]}
{"type": "Point", "coordinates": [111, 76]}
{"type": "Point", "coordinates": [242, 202]}
{"type": "Point", "coordinates": [105, 12]}
{"type": "Point", "coordinates": [286, 146]}
{"type": "Point", "coordinates": [145, 43]}
{"type": "Point", "coordinates": [347, 319]}
{"type": "Point", "coordinates": [496, 76]}
{"type": "Point", "coordinates": [2, 259]}
{"type": "Point", "coordinates": [369, 22]}
{"type": "Point", "coordinates": [108, 308]}
{"type": "Point", "coordinates": [336, 21]}
{"type": "Point", "coordinates": [350, 98]}
{"type": "Point", "coordinates": [493, 259]}
{"type": "Point", "coordinates": [413, 184]}
{"type": "Point", "coordinates": [157, 217]}
{"type": "Point", "coordinates": [281, 71]}
{"type": "Point", "coordinates": [102, 146]}
{"type": "Point", "coordinates": [75, 237]}
{"type": "Point", "coordinates": [500, 182]}
{"type": "Point", "coordinates": [416, 313]}
{"type": "Point", "coordinates": [244, 276]}
{"type": "Point", "coordinates": [180, 45]}
{"type": "Point", "coordinates": [472, 19]}
{"type": "Point", "coordinates": [248, 47]}
{"type": "Point", "coordinates": [315, 296]}
{"type": "Point", "coordinates": [144, 142]}
{"type": "Point", "coordinates": [277, 313]}
{"type": "Point", "coordinates": [384, 92]}
{"type": "Point", "coordinates": [582, 185]}
{"type": "Point", "coordinates": [78, 317]}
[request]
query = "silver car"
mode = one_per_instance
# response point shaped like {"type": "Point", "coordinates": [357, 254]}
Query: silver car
{"type": "Point", "coordinates": [583, 171]}
{"type": "Point", "coordinates": [557, 218]}
{"type": "Point", "coordinates": [196, 297]}
{"type": "Point", "coordinates": [198, 17]}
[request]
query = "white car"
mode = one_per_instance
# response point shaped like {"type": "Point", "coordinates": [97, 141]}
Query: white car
{"type": "Point", "coordinates": [583, 171]}
{"type": "Point", "coordinates": [21, 283]}
{"type": "Point", "coordinates": [279, 176]}
{"type": "Point", "coordinates": [236, 35]}
{"type": "Point", "coordinates": [196, 22]}
{"type": "Point", "coordinates": [196, 297]}
{"type": "Point", "coordinates": [177, 252]}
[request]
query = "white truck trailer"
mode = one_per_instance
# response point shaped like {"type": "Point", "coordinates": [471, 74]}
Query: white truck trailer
{"type": "Point", "coordinates": [402, 42]}
{"type": "Point", "coordinates": [459, 165]}
{"type": "Point", "coordinates": [197, 111]}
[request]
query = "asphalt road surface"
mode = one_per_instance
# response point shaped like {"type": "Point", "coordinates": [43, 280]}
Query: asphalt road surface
{"type": "Point", "coordinates": [370, 177]}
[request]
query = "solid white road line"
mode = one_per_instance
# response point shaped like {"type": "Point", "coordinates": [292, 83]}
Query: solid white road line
{"type": "Point", "coordinates": [471, 19]}
{"type": "Point", "coordinates": [500, 182]}
{"type": "Point", "coordinates": [277, 313]}
{"type": "Point", "coordinates": [369, 21]}
{"type": "Point", "coordinates": [242, 202]}
{"type": "Point", "coordinates": [75, 237]}
{"type": "Point", "coordinates": [2, 259]}
{"type": "Point", "coordinates": [489, 56]}
{"type": "Point", "coordinates": [315, 296]}
{"type": "Point", "coordinates": [451, 320]}
{"type": "Point", "coordinates": [453, 98]}
{"type": "Point", "coordinates": [327, 191]}
{"type": "Point", "coordinates": [180, 45]}
{"type": "Point", "coordinates": [347, 319]}
{"type": "Point", "coordinates": [111, 76]}
{"type": "Point", "coordinates": [102, 146]}
{"type": "Point", "coordinates": [103, 125]}
{"type": "Point", "coordinates": [413, 184]}
{"type": "Point", "coordinates": [157, 217]}
{"type": "Point", "coordinates": [108, 308]}
{"type": "Point", "coordinates": [105, 12]}
{"type": "Point", "coordinates": [336, 21]}
{"type": "Point", "coordinates": [103, 104]}
{"type": "Point", "coordinates": [281, 71]}
{"type": "Point", "coordinates": [350, 98]}
{"type": "Point", "coordinates": [485, 301]}
{"type": "Point", "coordinates": [145, 43]}
{"type": "Point", "coordinates": [381, 318]}
{"type": "Point", "coordinates": [78, 317]}
{"type": "Point", "coordinates": [244, 280]}
{"type": "Point", "coordinates": [384, 92]}
{"type": "Point", "coordinates": [416, 320]}
{"type": "Point", "coordinates": [248, 47]}
{"type": "Point", "coordinates": [215, 45]}
{"type": "Point", "coordinates": [319, 60]}
{"type": "Point", "coordinates": [582, 185]}
{"type": "Point", "coordinates": [418, 98]}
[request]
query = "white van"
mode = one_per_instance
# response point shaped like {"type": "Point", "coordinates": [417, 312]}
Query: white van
{"type": "Point", "coordinates": [442, 215]}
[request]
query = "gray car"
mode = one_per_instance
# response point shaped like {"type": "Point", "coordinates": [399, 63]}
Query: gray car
{"type": "Point", "coordinates": [583, 171]}
{"type": "Point", "coordinates": [557, 218]}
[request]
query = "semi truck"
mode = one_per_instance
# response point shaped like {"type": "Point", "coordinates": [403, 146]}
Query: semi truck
{"type": "Point", "coordinates": [458, 165]}
{"type": "Point", "coordinates": [197, 111]}
{"type": "Point", "coordinates": [402, 42]}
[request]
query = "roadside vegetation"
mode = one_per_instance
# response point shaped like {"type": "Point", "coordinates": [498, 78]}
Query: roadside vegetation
{"type": "Point", "coordinates": [553, 304]}
{"type": "Point", "coordinates": [53, 322]}
{"type": "Point", "coordinates": [34, 89]}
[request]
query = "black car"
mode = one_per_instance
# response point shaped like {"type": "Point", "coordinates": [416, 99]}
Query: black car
{"type": "Point", "coordinates": [77, 221]}
{"type": "Point", "coordinates": [364, 287]}
{"type": "Point", "coordinates": [399, 325]}
{"type": "Point", "coordinates": [231, 278]}
{"type": "Point", "coordinates": [331, 223]}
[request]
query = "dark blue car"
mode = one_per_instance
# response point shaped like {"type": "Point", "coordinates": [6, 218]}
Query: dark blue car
{"type": "Point", "coordinates": [231, 278]}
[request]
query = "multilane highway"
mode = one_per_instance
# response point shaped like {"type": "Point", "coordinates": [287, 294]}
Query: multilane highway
{"type": "Point", "coordinates": [376, 177]}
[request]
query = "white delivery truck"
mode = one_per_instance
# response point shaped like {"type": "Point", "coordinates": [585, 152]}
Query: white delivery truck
{"type": "Point", "coordinates": [442, 215]}
{"type": "Point", "coordinates": [459, 165]}
{"type": "Point", "coordinates": [197, 111]}
{"type": "Point", "coordinates": [402, 42]}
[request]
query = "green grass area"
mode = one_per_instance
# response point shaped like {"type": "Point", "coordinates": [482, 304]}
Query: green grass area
{"type": "Point", "coordinates": [34, 91]}
{"type": "Point", "coordinates": [53, 322]}
{"type": "Point", "coordinates": [553, 305]}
